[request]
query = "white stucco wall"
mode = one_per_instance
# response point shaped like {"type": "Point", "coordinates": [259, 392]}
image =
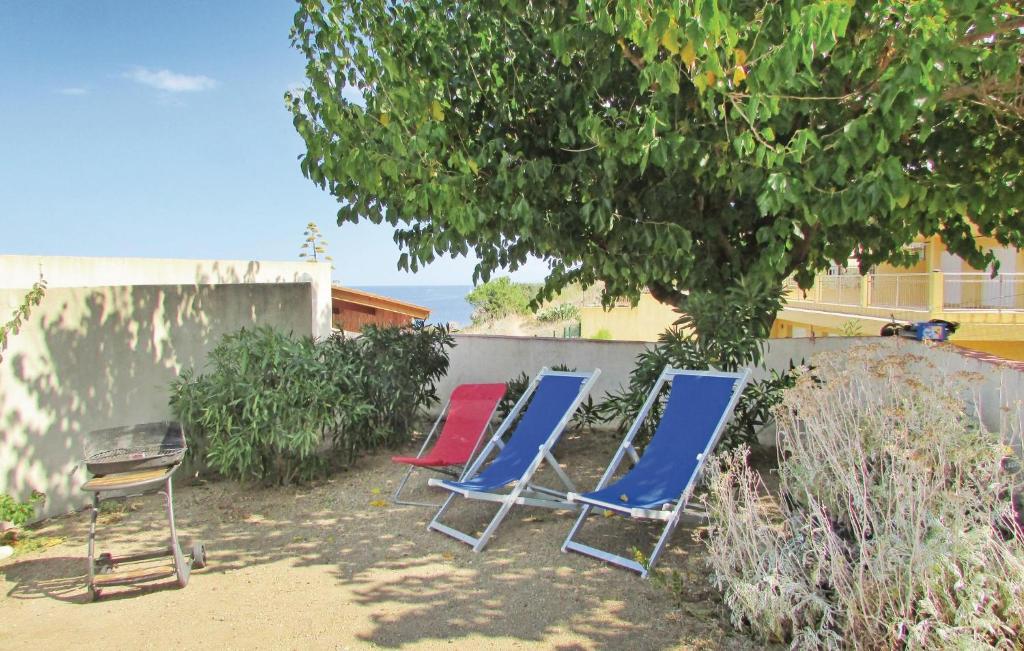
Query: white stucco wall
{"type": "Point", "coordinates": [91, 358]}
{"type": "Point", "coordinates": [997, 390]}
{"type": "Point", "coordinates": [495, 358]}
{"type": "Point", "coordinates": [20, 271]}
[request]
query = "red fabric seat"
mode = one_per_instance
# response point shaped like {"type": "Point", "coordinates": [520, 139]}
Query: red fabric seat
{"type": "Point", "coordinates": [469, 411]}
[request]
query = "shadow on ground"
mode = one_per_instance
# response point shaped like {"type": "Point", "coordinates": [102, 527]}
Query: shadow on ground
{"type": "Point", "coordinates": [398, 584]}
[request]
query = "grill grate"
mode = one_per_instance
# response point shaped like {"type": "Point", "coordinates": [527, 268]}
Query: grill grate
{"type": "Point", "coordinates": [138, 447]}
{"type": "Point", "coordinates": [137, 453]}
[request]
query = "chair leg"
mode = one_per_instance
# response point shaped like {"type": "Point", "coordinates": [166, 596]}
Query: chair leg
{"type": "Point", "coordinates": [92, 545]}
{"type": "Point", "coordinates": [396, 498]}
{"type": "Point", "coordinates": [670, 527]}
{"type": "Point", "coordinates": [441, 511]}
{"type": "Point", "coordinates": [495, 521]}
{"type": "Point", "coordinates": [643, 570]}
{"type": "Point", "coordinates": [476, 543]}
{"type": "Point", "coordinates": [584, 512]}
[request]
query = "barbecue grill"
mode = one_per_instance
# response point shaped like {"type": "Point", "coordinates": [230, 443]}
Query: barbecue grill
{"type": "Point", "coordinates": [136, 460]}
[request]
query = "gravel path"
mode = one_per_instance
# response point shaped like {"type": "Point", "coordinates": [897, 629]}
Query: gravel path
{"type": "Point", "coordinates": [337, 566]}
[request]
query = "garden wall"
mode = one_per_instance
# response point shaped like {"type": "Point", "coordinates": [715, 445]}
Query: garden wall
{"type": "Point", "coordinates": [20, 271]}
{"type": "Point", "coordinates": [494, 358]}
{"type": "Point", "coordinates": [997, 388]}
{"type": "Point", "coordinates": [90, 358]}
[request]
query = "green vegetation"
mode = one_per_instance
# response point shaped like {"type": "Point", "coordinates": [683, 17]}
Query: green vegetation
{"type": "Point", "coordinates": [603, 333]}
{"type": "Point", "coordinates": [560, 312]}
{"type": "Point", "coordinates": [18, 513]}
{"type": "Point", "coordinates": [726, 332]}
{"type": "Point", "coordinates": [679, 147]}
{"type": "Point", "coordinates": [32, 298]}
{"type": "Point", "coordinates": [498, 298]}
{"type": "Point", "coordinates": [850, 328]}
{"type": "Point", "coordinates": [893, 525]}
{"type": "Point", "coordinates": [280, 409]}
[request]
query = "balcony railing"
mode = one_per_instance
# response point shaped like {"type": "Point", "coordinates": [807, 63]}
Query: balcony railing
{"type": "Point", "coordinates": [841, 290]}
{"type": "Point", "coordinates": [932, 292]}
{"type": "Point", "coordinates": [979, 291]}
{"type": "Point", "coordinates": [907, 291]}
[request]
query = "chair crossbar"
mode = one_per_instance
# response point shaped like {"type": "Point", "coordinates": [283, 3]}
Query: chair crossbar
{"type": "Point", "coordinates": [615, 559]}
{"type": "Point", "coordinates": [648, 514]}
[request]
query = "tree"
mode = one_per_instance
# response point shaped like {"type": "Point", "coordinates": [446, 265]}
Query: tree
{"type": "Point", "coordinates": [685, 147]}
{"type": "Point", "coordinates": [314, 246]}
{"type": "Point", "coordinates": [33, 298]}
{"type": "Point", "coordinates": [499, 298]}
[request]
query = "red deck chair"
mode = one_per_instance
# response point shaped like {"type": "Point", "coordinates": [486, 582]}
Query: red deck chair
{"type": "Point", "coordinates": [469, 412]}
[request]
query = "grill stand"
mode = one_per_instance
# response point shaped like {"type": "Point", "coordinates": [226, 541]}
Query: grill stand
{"type": "Point", "coordinates": [101, 571]}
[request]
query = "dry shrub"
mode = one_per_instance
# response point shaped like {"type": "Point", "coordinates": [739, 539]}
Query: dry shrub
{"type": "Point", "coordinates": [893, 526]}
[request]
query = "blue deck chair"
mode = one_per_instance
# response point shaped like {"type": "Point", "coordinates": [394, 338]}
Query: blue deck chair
{"type": "Point", "coordinates": [553, 396]}
{"type": "Point", "coordinates": [660, 483]}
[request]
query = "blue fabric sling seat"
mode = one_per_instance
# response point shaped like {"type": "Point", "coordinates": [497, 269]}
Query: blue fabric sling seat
{"type": "Point", "coordinates": [695, 406]}
{"type": "Point", "coordinates": [536, 423]}
{"type": "Point", "coordinates": [660, 483]}
{"type": "Point", "coordinates": [554, 396]}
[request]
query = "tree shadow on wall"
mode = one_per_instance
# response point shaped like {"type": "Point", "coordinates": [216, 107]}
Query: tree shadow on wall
{"type": "Point", "coordinates": [92, 358]}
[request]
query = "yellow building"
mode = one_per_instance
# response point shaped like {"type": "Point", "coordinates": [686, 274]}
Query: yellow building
{"type": "Point", "coordinates": [939, 286]}
{"type": "Point", "coordinates": [625, 323]}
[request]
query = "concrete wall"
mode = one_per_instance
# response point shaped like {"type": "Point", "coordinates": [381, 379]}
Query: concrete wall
{"type": "Point", "coordinates": [492, 358]}
{"type": "Point", "coordinates": [997, 389]}
{"type": "Point", "coordinates": [90, 358]}
{"type": "Point", "coordinates": [495, 358]}
{"type": "Point", "coordinates": [20, 271]}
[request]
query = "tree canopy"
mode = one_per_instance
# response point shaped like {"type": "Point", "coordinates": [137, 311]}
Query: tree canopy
{"type": "Point", "coordinates": [679, 146]}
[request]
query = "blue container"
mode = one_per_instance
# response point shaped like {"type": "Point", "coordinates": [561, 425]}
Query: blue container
{"type": "Point", "coordinates": [926, 331]}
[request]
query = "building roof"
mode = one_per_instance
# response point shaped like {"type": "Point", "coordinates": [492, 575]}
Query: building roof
{"type": "Point", "coordinates": [369, 299]}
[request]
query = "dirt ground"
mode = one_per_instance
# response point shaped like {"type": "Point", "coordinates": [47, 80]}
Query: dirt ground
{"type": "Point", "coordinates": [337, 566]}
{"type": "Point", "coordinates": [518, 326]}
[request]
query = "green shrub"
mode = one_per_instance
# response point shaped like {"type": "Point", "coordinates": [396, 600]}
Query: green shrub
{"type": "Point", "coordinates": [893, 525]}
{"type": "Point", "coordinates": [392, 374]}
{"type": "Point", "coordinates": [514, 389]}
{"type": "Point", "coordinates": [604, 334]}
{"type": "Point", "coordinates": [499, 298]}
{"type": "Point", "coordinates": [279, 408]}
{"type": "Point", "coordinates": [18, 513]}
{"type": "Point", "coordinates": [560, 312]}
{"type": "Point", "coordinates": [725, 332]}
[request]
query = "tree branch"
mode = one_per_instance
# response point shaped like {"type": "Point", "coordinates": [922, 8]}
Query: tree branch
{"type": "Point", "coordinates": [1008, 26]}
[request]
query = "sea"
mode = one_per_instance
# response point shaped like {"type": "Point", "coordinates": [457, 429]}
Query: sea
{"type": "Point", "coordinates": [447, 303]}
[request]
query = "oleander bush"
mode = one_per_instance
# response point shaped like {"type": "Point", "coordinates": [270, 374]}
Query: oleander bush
{"type": "Point", "coordinates": [278, 408]}
{"type": "Point", "coordinates": [893, 525]}
{"type": "Point", "coordinates": [391, 373]}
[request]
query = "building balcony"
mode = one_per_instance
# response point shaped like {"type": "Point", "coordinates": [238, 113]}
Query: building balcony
{"type": "Point", "coordinates": [987, 308]}
{"type": "Point", "coordinates": [933, 293]}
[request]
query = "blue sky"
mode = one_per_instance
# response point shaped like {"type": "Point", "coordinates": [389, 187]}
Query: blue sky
{"type": "Point", "coordinates": [158, 129]}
